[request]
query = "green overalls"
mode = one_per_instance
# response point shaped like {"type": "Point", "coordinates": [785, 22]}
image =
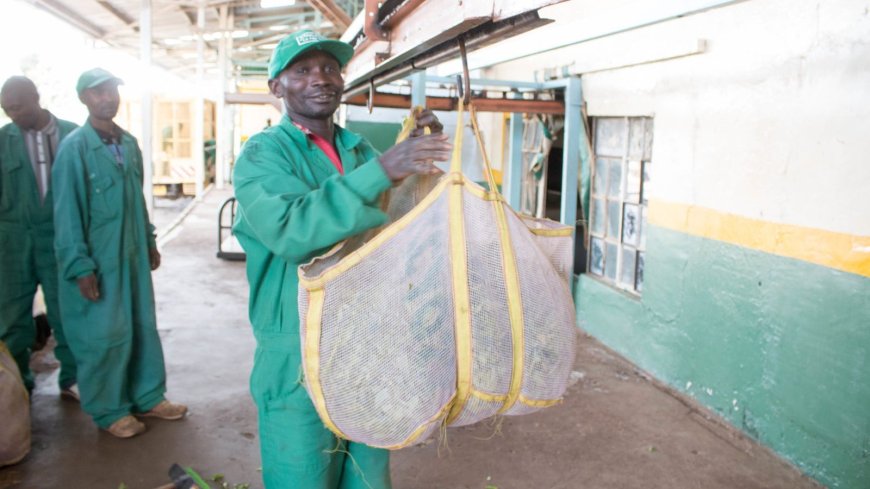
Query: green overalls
{"type": "Point", "coordinates": [294, 205]}
{"type": "Point", "coordinates": [27, 255]}
{"type": "Point", "coordinates": [102, 227]}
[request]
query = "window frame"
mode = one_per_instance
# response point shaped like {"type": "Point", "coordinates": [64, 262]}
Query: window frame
{"type": "Point", "coordinates": [601, 196]}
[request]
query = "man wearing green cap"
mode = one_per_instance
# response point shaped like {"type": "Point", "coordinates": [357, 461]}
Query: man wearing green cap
{"type": "Point", "coordinates": [28, 146]}
{"type": "Point", "coordinates": [106, 251]}
{"type": "Point", "coordinates": [302, 186]}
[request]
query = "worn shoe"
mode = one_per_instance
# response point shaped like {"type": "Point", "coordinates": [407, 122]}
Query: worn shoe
{"type": "Point", "coordinates": [126, 427]}
{"type": "Point", "coordinates": [166, 410]}
{"type": "Point", "coordinates": [71, 392]}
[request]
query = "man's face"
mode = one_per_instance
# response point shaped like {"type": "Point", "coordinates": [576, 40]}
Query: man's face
{"type": "Point", "coordinates": [311, 86]}
{"type": "Point", "coordinates": [22, 106]}
{"type": "Point", "coordinates": [102, 101]}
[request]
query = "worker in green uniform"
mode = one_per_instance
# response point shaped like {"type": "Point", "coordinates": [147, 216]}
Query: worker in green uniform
{"type": "Point", "coordinates": [28, 146]}
{"type": "Point", "coordinates": [303, 185]}
{"type": "Point", "coordinates": [106, 251]}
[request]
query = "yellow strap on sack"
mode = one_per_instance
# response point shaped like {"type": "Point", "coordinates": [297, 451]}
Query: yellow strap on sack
{"type": "Point", "coordinates": [459, 267]}
{"type": "Point", "coordinates": [410, 123]}
{"type": "Point", "coordinates": [312, 358]}
{"type": "Point", "coordinates": [511, 277]}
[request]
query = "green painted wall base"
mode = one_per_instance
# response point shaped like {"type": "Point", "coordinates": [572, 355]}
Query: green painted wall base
{"type": "Point", "coordinates": [776, 346]}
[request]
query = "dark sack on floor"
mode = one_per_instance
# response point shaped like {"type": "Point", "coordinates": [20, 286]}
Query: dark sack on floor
{"type": "Point", "coordinates": [14, 411]}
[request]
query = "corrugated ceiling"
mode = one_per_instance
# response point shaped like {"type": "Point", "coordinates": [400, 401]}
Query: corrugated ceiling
{"type": "Point", "coordinates": [253, 30]}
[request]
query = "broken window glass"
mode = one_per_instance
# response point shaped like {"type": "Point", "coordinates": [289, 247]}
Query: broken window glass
{"type": "Point", "coordinates": [596, 260]}
{"type": "Point", "coordinates": [620, 195]}
{"type": "Point", "coordinates": [638, 281]}
{"type": "Point", "coordinates": [631, 224]}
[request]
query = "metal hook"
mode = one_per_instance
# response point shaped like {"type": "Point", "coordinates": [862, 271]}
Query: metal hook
{"type": "Point", "coordinates": [460, 88]}
{"type": "Point", "coordinates": [370, 104]}
{"type": "Point", "coordinates": [463, 54]}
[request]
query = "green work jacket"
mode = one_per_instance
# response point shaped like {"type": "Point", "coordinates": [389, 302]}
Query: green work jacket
{"type": "Point", "coordinates": [292, 206]}
{"type": "Point", "coordinates": [20, 207]}
{"type": "Point", "coordinates": [102, 227]}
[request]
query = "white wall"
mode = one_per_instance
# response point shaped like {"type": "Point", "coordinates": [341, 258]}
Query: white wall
{"type": "Point", "coordinates": [771, 121]}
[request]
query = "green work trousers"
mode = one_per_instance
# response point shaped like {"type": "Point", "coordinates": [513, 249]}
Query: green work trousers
{"type": "Point", "coordinates": [298, 451]}
{"type": "Point", "coordinates": [119, 355]}
{"type": "Point", "coordinates": [27, 260]}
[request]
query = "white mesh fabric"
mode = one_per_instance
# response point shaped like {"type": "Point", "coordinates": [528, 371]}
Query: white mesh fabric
{"type": "Point", "coordinates": [388, 348]}
{"type": "Point", "coordinates": [402, 198]}
{"type": "Point", "coordinates": [387, 351]}
{"type": "Point", "coordinates": [492, 349]}
{"type": "Point", "coordinates": [549, 320]}
{"type": "Point", "coordinates": [558, 249]}
{"type": "Point", "coordinates": [475, 411]}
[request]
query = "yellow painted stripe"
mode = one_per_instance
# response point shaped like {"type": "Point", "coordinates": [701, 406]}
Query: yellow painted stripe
{"type": "Point", "coordinates": [845, 252]}
{"type": "Point", "coordinates": [539, 403]}
{"type": "Point", "coordinates": [312, 358]}
{"type": "Point", "coordinates": [422, 428]}
{"type": "Point", "coordinates": [461, 304]}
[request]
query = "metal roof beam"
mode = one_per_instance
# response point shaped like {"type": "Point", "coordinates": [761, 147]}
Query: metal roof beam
{"type": "Point", "coordinates": [339, 18]}
{"type": "Point", "coordinates": [69, 16]}
{"type": "Point", "coordinates": [244, 12]}
{"type": "Point", "coordinates": [120, 14]}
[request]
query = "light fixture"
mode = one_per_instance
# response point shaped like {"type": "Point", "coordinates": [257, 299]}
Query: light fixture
{"type": "Point", "coordinates": [279, 27]}
{"type": "Point", "coordinates": [270, 45]}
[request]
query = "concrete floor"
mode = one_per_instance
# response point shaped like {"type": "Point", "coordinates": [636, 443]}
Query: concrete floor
{"type": "Point", "coordinates": [617, 429]}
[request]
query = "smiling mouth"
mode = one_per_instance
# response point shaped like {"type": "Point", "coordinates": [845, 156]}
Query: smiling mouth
{"type": "Point", "coordinates": [325, 97]}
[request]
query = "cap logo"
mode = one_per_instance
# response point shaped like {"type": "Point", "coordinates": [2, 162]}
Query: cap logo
{"type": "Point", "coordinates": [308, 38]}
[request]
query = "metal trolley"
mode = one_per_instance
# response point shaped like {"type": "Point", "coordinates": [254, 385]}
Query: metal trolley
{"type": "Point", "coordinates": [228, 246]}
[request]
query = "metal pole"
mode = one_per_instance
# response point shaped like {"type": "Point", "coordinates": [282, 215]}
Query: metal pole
{"type": "Point", "coordinates": [220, 133]}
{"type": "Point", "coordinates": [198, 113]}
{"type": "Point", "coordinates": [147, 106]}
{"type": "Point", "coordinates": [514, 170]}
{"type": "Point", "coordinates": [574, 135]}
{"type": "Point", "coordinates": [228, 130]}
{"type": "Point", "coordinates": [418, 88]}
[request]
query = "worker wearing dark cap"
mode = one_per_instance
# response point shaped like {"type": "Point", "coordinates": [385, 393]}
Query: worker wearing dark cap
{"type": "Point", "coordinates": [28, 146]}
{"type": "Point", "coordinates": [106, 250]}
{"type": "Point", "coordinates": [303, 185]}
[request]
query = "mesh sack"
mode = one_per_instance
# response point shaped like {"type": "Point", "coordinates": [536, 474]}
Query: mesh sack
{"type": "Point", "coordinates": [14, 411]}
{"type": "Point", "coordinates": [457, 311]}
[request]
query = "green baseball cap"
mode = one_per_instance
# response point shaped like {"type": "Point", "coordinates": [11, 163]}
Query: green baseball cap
{"type": "Point", "coordinates": [302, 41]}
{"type": "Point", "coordinates": [94, 77]}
